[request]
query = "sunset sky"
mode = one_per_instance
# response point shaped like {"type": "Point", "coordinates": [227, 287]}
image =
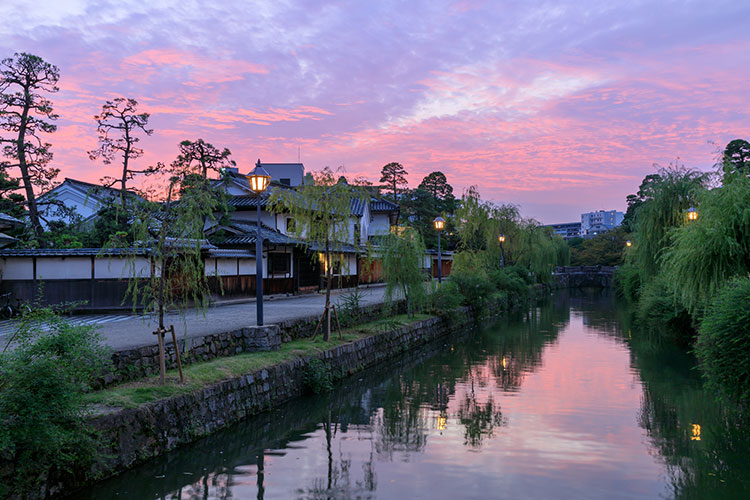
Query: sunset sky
{"type": "Point", "coordinates": [559, 107]}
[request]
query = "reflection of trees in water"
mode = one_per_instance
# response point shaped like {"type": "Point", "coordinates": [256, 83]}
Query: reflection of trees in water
{"type": "Point", "coordinates": [479, 419]}
{"type": "Point", "coordinates": [703, 445]}
{"type": "Point", "coordinates": [338, 483]}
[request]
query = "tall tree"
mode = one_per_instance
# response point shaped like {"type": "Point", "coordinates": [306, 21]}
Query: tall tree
{"type": "Point", "coordinates": [437, 185]}
{"type": "Point", "coordinates": [394, 176]}
{"type": "Point", "coordinates": [321, 210]}
{"type": "Point", "coordinates": [736, 157]}
{"type": "Point", "coordinates": [26, 113]}
{"type": "Point", "coordinates": [11, 203]}
{"type": "Point", "coordinates": [200, 157]}
{"type": "Point", "coordinates": [118, 125]}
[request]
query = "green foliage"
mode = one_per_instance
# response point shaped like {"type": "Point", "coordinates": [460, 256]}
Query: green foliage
{"type": "Point", "coordinates": [350, 308]}
{"type": "Point", "coordinates": [706, 253]}
{"type": "Point", "coordinates": [42, 383]}
{"type": "Point", "coordinates": [675, 190]}
{"type": "Point", "coordinates": [321, 209]}
{"type": "Point", "coordinates": [513, 287]}
{"type": "Point", "coordinates": [171, 233]}
{"type": "Point", "coordinates": [475, 289]}
{"type": "Point", "coordinates": [317, 377]}
{"type": "Point", "coordinates": [402, 256]}
{"type": "Point", "coordinates": [605, 249]}
{"type": "Point", "coordinates": [736, 158]}
{"type": "Point", "coordinates": [723, 346]}
{"type": "Point", "coordinates": [660, 314]}
{"type": "Point", "coordinates": [445, 301]}
{"type": "Point", "coordinates": [627, 282]}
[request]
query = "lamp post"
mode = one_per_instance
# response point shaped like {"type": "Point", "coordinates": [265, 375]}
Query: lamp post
{"type": "Point", "coordinates": [259, 180]}
{"type": "Point", "coordinates": [439, 223]}
{"type": "Point", "coordinates": [692, 214]}
{"type": "Point", "coordinates": [501, 239]}
{"type": "Point", "coordinates": [628, 243]}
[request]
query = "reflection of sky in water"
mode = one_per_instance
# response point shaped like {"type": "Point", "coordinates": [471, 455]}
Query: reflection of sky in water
{"type": "Point", "coordinates": [566, 426]}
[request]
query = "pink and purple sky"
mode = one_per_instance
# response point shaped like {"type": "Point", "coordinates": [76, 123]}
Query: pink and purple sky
{"type": "Point", "coordinates": [561, 107]}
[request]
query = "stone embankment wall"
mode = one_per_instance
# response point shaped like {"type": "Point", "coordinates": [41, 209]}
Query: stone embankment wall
{"type": "Point", "coordinates": [583, 276]}
{"type": "Point", "coordinates": [132, 436]}
{"type": "Point", "coordinates": [139, 362]}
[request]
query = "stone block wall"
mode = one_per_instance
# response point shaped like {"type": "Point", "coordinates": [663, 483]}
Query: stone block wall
{"type": "Point", "coordinates": [133, 436]}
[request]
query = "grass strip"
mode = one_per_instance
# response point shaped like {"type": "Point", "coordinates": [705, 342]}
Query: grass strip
{"type": "Point", "coordinates": [200, 375]}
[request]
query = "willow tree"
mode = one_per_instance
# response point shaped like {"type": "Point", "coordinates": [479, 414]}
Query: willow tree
{"type": "Point", "coordinates": [674, 191]}
{"type": "Point", "coordinates": [170, 232]}
{"type": "Point", "coordinates": [321, 209]}
{"type": "Point", "coordinates": [706, 253]}
{"type": "Point", "coordinates": [27, 114]}
{"type": "Point", "coordinates": [402, 256]}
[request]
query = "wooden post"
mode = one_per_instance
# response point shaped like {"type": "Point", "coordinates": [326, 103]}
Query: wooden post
{"type": "Point", "coordinates": [336, 312]}
{"type": "Point", "coordinates": [317, 327]}
{"type": "Point", "coordinates": [177, 353]}
{"type": "Point", "coordinates": [162, 368]}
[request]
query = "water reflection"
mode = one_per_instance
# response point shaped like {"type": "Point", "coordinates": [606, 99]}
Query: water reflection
{"type": "Point", "coordinates": [553, 402]}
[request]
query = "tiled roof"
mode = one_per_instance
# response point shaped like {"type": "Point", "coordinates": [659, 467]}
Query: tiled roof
{"type": "Point", "coordinates": [246, 233]}
{"type": "Point", "coordinates": [380, 205]}
{"type": "Point", "coordinates": [230, 253]}
{"type": "Point", "coordinates": [97, 189]}
{"type": "Point", "coordinates": [71, 252]}
{"type": "Point", "coordinates": [6, 221]}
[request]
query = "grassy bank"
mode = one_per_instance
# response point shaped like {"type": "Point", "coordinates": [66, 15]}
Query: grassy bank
{"type": "Point", "coordinates": [200, 375]}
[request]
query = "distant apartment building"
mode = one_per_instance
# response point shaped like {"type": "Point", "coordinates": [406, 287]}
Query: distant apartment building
{"type": "Point", "coordinates": [567, 230]}
{"type": "Point", "coordinates": [600, 221]}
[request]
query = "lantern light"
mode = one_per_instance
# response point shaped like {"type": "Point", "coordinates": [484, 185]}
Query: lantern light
{"type": "Point", "coordinates": [501, 238]}
{"type": "Point", "coordinates": [628, 243]}
{"type": "Point", "coordinates": [439, 223]}
{"type": "Point", "coordinates": [692, 214]}
{"type": "Point", "coordinates": [259, 178]}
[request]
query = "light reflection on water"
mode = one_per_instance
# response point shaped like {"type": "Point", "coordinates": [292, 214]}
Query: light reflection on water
{"type": "Point", "coordinates": [555, 403]}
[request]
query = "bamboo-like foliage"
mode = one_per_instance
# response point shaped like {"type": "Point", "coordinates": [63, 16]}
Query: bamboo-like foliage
{"type": "Point", "coordinates": [321, 211]}
{"type": "Point", "coordinates": [708, 252]}
{"type": "Point", "coordinates": [674, 192]}
{"type": "Point", "coordinates": [402, 256]}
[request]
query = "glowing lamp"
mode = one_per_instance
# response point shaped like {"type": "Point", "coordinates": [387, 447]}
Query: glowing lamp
{"type": "Point", "coordinates": [628, 243]}
{"type": "Point", "coordinates": [439, 223]}
{"type": "Point", "coordinates": [259, 179]}
{"type": "Point", "coordinates": [501, 238]}
{"type": "Point", "coordinates": [692, 214]}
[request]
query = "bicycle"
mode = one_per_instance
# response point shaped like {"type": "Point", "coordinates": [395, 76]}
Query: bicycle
{"type": "Point", "coordinates": [9, 311]}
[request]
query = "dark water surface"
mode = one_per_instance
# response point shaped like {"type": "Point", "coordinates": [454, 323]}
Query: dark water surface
{"type": "Point", "coordinates": [556, 403]}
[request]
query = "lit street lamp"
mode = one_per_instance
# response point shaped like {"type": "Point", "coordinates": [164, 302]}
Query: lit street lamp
{"type": "Point", "coordinates": [439, 223]}
{"type": "Point", "coordinates": [259, 180]}
{"type": "Point", "coordinates": [501, 239]}
{"type": "Point", "coordinates": [692, 214]}
{"type": "Point", "coordinates": [628, 243]}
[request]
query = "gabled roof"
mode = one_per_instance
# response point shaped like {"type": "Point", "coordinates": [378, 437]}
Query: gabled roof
{"type": "Point", "coordinates": [7, 222]}
{"type": "Point", "coordinates": [245, 233]}
{"type": "Point", "coordinates": [96, 191]}
{"type": "Point", "coordinates": [379, 205]}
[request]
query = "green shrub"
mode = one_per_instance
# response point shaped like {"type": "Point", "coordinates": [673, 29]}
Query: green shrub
{"type": "Point", "coordinates": [660, 314]}
{"type": "Point", "coordinates": [515, 288]}
{"type": "Point", "coordinates": [317, 377]}
{"type": "Point", "coordinates": [350, 308]}
{"type": "Point", "coordinates": [43, 427]}
{"type": "Point", "coordinates": [474, 288]}
{"type": "Point", "coordinates": [445, 301]}
{"type": "Point", "coordinates": [627, 282]}
{"type": "Point", "coordinates": [521, 272]}
{"type": "Point", "coordinates": [723, 346]}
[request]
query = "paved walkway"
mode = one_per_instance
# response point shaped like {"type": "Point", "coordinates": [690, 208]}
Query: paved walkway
{"type": "Point", "coordinates": [122, 331]}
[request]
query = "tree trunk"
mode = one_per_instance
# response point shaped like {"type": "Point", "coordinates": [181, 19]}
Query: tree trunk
{"type": "Point", "coordinates": [125, 158]}
{"type": "Point", "coordinates": [24, 167]}
{"type": "Point", "coordinates": [327, 332]}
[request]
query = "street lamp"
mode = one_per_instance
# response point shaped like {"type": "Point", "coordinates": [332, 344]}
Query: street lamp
{"type": "Point", "coordinates": [628, 243]}
{"type": "Point", "coordinates": [439, 223]}
{"type": "Point", "coordinates": [692, 214]}
{"type": "Point", "coordinates": [501, 239]}
{"type": "Point", "coordinates": [259, 180]}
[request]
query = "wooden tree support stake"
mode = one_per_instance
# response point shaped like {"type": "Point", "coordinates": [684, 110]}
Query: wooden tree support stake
{"type": "Point", "coordinates": [338, 323]}
{"type": "Point", "coordinates": [177, 353]}
{"type": "Point", "coordinates": [162, 367]}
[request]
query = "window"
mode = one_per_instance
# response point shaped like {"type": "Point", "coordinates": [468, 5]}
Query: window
{"type": "Point", "coordinates": [278, 263]}
{"type": "Point", "coordinates": [285, 181]}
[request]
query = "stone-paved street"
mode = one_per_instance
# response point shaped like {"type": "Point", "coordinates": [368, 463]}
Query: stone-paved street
{"type": "Point", "coordinates": [121, 331]}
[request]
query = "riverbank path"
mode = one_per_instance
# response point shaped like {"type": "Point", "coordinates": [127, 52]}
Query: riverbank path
{"type": "Point", "coordinates": [123, 331]}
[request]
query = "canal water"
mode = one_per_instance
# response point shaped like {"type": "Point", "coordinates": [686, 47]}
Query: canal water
{"type": "Point", "coordinates": [562, 401]}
